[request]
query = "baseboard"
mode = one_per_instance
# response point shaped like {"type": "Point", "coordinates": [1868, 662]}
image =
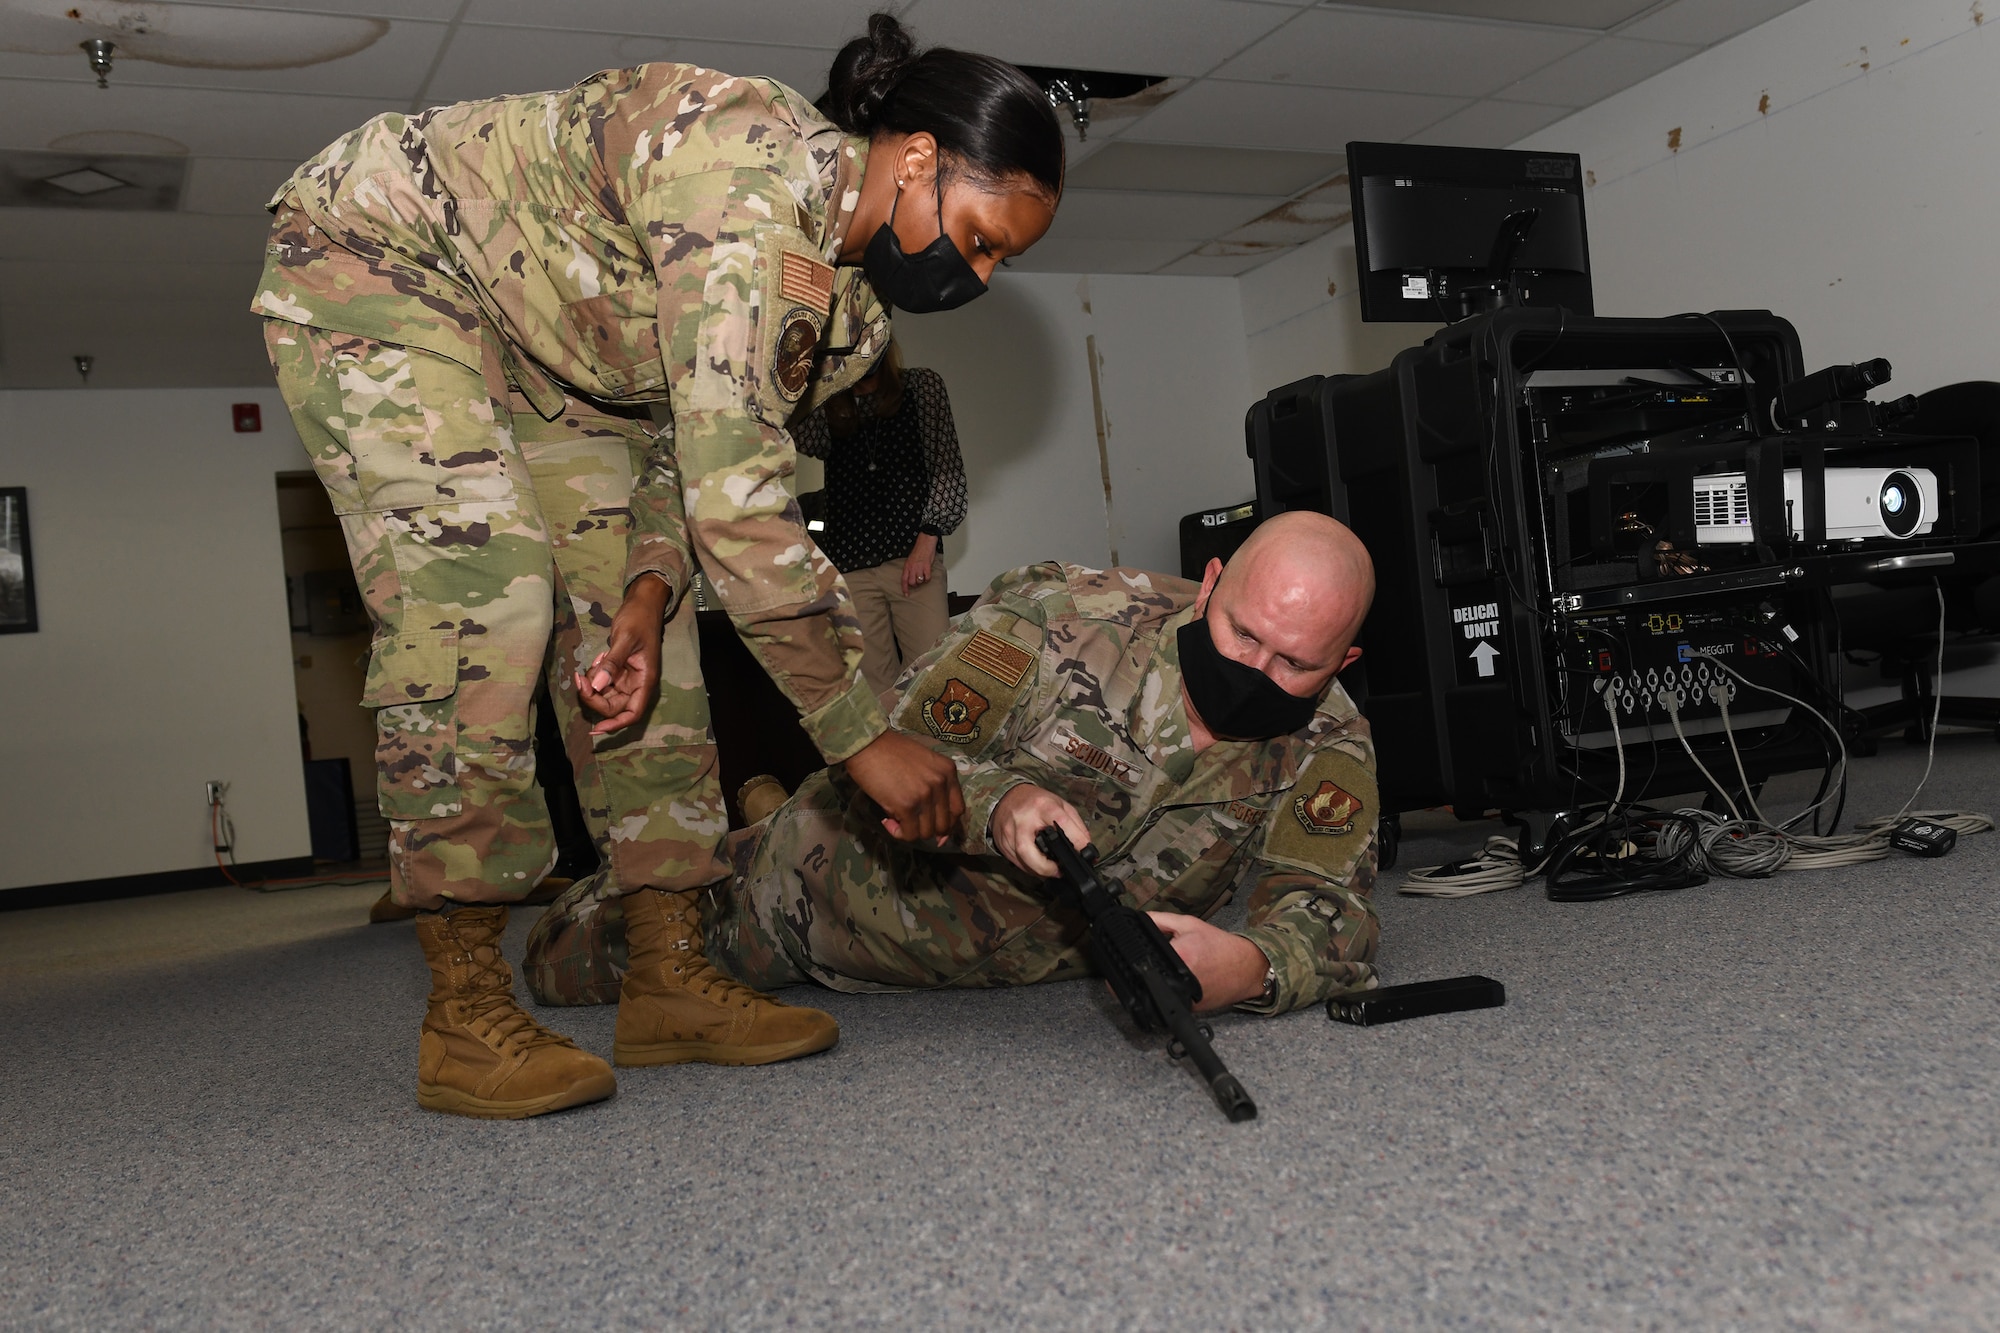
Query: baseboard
{"type": "Point", "coordinates": [140, 886]}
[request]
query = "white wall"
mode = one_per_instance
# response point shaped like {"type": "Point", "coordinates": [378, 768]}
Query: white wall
{"type": "Point", "coordinates": [1839, 165]}
{"type": "Point", "coordinates": [1174, 384]}
{"type": "Point", "coordinates": [164, 658]}
{"type": "Point", "coordinates": [1859, 201]}
{"type": "Point", "coordinates": [1300, 317]}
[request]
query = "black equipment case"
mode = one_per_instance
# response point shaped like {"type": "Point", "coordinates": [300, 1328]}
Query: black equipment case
{"type": "Point", "coordinates": [1525, 481]}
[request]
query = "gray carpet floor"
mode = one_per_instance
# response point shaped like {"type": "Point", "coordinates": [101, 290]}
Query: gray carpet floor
{"type": "Point", "coordinates": [1752, 1105]}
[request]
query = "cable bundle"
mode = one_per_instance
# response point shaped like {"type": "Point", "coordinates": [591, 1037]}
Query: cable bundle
{"type": "Point", "coordinates": [1496, 867]}
{"type": "Point", "coordinates": [1623, 849]}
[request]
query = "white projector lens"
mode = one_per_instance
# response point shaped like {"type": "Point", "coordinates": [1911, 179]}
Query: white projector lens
{"type": "Point", "coordinates": [1902, 502]}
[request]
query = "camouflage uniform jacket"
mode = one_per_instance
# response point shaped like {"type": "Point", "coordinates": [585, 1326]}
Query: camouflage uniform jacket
{"type": "Point", "coordinates": [1069, 678]}
{"type": "Point", "coordinates": [658, 234]}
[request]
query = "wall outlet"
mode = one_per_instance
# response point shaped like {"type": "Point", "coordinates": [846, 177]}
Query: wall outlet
{"type": "Point", "coordinates": [215, 791]}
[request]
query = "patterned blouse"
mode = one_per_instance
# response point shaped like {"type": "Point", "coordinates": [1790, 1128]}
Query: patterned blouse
{"type": "Point", "coordinates": [891, 479]}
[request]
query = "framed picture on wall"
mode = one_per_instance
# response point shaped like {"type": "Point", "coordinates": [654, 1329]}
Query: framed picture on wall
{"type": "Point", "coordinates": [17, 564]}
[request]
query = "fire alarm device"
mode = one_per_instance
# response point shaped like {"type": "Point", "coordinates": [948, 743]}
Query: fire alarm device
{"type": "Point", "coordinates": [249, 417]}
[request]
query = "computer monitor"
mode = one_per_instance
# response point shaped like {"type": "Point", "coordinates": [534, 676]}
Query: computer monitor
{"type": "Point", "coordinates": [1444, 233]}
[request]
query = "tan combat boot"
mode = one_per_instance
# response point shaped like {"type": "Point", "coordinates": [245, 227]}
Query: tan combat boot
{"type": "Point", "coordinates": [675, 1008]}
{"type": "Point", "coordinates": [759, 798]}
{"type": "Point", "coordinates": [481, 1055]}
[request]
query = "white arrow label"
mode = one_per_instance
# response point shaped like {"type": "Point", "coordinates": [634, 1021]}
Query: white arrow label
{"type": "Point", "coordinates": [1484, 655]}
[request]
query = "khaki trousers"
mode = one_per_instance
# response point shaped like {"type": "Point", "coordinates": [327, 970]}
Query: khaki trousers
{"type": "Point", "coordinates": [490, 548]}
{"type": "Point", "coordinates": [896, 630]}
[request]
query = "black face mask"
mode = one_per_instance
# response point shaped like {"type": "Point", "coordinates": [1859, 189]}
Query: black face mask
{"type": "Point", "coordinates": [934, 278]}
{"type": "Point", "coordinates": [1236, 702]}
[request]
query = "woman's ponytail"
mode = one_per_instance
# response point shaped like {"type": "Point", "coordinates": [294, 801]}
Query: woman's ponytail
{"type": "Point", "coordinates": [865, 72]}
{"type": "Point", "coordinates": [990, 119]}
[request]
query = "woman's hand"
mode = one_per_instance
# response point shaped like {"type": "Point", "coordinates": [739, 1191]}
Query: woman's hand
{"type": "Point", "coordinates": [915, 786]}
{"type": "Point", "coordinates": [620, 682]}
{"type": "Point", "coordinates": [917, 566]}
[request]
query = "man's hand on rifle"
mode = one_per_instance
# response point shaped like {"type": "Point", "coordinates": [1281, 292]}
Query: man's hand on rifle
{"type": "Point", "coordinates": [1022, 813]}
{"type": "Point", "coordinates": [1230, 968]}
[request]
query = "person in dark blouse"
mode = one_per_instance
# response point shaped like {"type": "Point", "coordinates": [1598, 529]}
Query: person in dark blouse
{"type": "Point", "coordinates": [895, 486]}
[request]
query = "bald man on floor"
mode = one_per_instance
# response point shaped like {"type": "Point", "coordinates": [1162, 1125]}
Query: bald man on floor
{"type": "Point", "coordinates": [1194, 734]}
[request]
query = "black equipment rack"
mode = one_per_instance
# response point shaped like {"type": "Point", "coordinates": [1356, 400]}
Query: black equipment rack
{"type": "Point", "coordinates": [1524, 480]}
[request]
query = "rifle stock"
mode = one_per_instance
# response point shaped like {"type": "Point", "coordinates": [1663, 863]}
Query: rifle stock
{"type": "Point", "coordinates": [1145, 973]}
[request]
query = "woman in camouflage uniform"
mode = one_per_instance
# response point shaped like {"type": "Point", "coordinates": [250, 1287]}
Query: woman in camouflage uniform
{"type": "Point", "coordinates": [469, 312]}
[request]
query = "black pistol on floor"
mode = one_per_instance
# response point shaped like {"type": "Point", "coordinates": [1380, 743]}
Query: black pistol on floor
{"type": "Point", "coordinates": [1148, 977]}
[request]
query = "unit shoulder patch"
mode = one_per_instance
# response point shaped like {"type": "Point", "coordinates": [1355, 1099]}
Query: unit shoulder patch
{"type": "Point", "coordinates": [952, 715]}
{"type": "Point", "coordinates": [1328, 811]}
{"type": "Point", "coordinates": [792, 358]}
{"type": "Point", "coordinates": [1328, 816]}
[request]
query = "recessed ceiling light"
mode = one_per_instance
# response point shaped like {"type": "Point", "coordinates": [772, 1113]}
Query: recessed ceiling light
{"type": "Point", "coordinates": [87, 181]}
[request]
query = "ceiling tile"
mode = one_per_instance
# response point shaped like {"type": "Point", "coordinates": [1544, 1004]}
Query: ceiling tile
{"type": "Point", "coordinates": [1339, 48]}
{"type": "Point", "coordinates": [1262, 115]}
{"type": "Point", "coordinates": [1088, 215]}
{"type": "Point", "coordinates": [441, 11]}
{"type": "Point", "coordinates": [1599, 14]}
{"type": "Point", "coordinates": [1295, 222]}
{"type": "Point", "coordinates": [1491, 124]}
{"type": "Point", "coordinates": [1215, 266]}
{"type": "Point", "coordinates": [1054, 256]}
{"type": "Point", "coordinates": [491, 62]}
{"type": "Point", "coordinates": [211, 123]}
{"type": "Point", "coordinates": [1706, 22]}
{"type": "Point", "coordinates": [817, 23]}
{"type": "Point", "coordinates": [233, 185]}
{"type": "Point", "coordinates": [1152, 37]}
{"type": "Point", "coordinates": [391, 69]}
{"type": "Point", "coordinates": [802, 69]}
{"type": "Point", "coordinates": [1608, 65]}
{"type": "Point", "coordinates": [1181, 168]}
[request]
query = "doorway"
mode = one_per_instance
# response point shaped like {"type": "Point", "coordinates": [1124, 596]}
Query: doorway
{"type": "Point", "coordinates": [330, 640]}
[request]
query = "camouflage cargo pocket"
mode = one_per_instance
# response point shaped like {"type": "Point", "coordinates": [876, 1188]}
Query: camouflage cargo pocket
{"type": "Point", "coordinates": [412, 684]}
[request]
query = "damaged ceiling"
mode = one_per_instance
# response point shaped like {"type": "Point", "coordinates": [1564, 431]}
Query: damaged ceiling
{"type": "Point", "coordinates": [1232, 159]}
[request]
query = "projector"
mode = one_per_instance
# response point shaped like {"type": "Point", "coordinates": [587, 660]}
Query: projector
{"type": "Point", "coordinates": [1861, 502]}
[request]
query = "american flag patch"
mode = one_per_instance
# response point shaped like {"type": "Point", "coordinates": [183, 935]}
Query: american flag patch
{"type": "Point", "coordinates": [1005, 662]}
{"type": "Point", "coordinates": [805, 280]}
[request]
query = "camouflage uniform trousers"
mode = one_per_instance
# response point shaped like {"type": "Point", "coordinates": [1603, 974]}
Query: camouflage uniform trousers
{"type": "Point", "coordinates": [821, 892]}
{"type": "Point", "coordinates": [489, 545]}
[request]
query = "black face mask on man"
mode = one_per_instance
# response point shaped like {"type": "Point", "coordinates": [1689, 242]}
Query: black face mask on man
{"type": "Point", "coordinates": [1236, 702]}
{"type": "Point", "coordinates": [935, 278]}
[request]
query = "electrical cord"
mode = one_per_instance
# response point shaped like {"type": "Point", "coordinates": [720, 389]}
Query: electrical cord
{"type": "Point", "coordinates": [1937, 704]}
{"type": "Point", "coordinates": [1670, 701]}
{"type": "Point", "coordinates": [222, 833]}
{"type": "Point", "coordinates": [1625, 849]}
{"type": "Point", "coordinates": [1742, 372]}
{"type": "Point", "coordinates": [1498, 865]}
